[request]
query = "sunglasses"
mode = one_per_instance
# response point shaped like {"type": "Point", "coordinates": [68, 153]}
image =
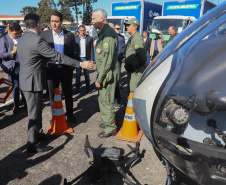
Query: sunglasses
{"type": "Point", "coordinates": [118, 28]}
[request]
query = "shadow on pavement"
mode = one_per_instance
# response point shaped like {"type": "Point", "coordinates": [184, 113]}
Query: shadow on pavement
{"type": "Point", "coordinates": [15, 164]}
{"type": "Point", "coordinates": [82, 107]}
{"type": "Point", "coordinates": [55, 179]}
{"type": "Point", "coordinates": [7, 119]}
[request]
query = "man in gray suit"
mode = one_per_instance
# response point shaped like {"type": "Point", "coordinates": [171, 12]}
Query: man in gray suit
{"type": "Point", "coordinates": [32, 51]}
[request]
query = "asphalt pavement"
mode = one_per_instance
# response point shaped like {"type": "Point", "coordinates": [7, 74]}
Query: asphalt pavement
{"type": "Point", "coordinates": [68, 160]}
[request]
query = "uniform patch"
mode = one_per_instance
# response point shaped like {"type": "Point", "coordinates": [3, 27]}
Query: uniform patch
{"type": "Point", "coordinates": [105, 45]}
{"type": "Point", "coordinates": [136, 46]}
{"type": "Point", "coordinates": [98, 50]}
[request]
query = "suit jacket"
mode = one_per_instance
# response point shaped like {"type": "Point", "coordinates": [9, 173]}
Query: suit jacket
{"type": "Point", "coordinates": [5, 53]}
{"type": "Point", "coordinates": [70, 48]}
{"type": "Point", "coordinates": [89, 47]}
{"type": "Point", "coordinates": [32, 51]}
{"type": "Point", "coordinates": [172, 37]}
{"type": "Point", "coordinates": [121, 46]}
{"type": "Point", "coordinates": [147, 45]}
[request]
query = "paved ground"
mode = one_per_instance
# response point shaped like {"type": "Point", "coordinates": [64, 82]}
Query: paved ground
{"type": "Point", "coordinates": [67, 159]}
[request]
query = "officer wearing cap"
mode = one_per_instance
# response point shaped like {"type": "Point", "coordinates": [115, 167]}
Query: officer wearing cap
{"type": "Point", "coordinates": [108, 71]}
{"type": "Point", "coordinates": [135, 54]}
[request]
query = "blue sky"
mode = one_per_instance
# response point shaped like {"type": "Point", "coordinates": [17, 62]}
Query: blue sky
{"type": "Point", "coordinates": [13, 7]}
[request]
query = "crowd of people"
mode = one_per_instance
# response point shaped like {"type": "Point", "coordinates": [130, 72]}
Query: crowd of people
{"type": "Point", "coordinates": [45, 57]}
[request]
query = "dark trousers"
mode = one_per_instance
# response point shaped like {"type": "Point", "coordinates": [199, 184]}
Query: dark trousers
{"type": "Point", "coordinates": [34, 108]}
{"type": "Point", "coordinates": [62, 74]}
{"type": "Point", "coordinates": [155, 54]}
{"type": "Point", "coordinates": [148, 58]}
{"type": "Point", "coordinates": [117, 88]}
{"type": "Point", "coordinates": [13, 76]}
{"type": "Point", "coordinates": [78, 76]}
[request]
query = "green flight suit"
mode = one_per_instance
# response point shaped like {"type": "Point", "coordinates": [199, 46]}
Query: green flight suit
{"type": "Point", "coordinates": [108, 74]}
{"type": "Point", "coordinates": [135, 60]}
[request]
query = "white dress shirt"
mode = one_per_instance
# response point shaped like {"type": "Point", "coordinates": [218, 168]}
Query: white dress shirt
{"type": "Point", "coordinates": [58, 41]}
{"type": "Point", "coordinates": [82, 46]}
{"type": "Point", "coordinates": [15, 42]}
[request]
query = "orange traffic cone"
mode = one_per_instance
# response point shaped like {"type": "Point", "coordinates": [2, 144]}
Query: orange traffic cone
{"type": "Point", "coordinates": [129, 130]}
{"type": "Point", "coordinates": [59, 125]}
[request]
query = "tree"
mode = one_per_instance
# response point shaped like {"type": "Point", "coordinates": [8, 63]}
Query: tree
{"type": "Point", "coordinates": [46, 7]}
{"type": "Point", "coordinates": [75, 4]}
{"type": "Point", "coordinates": [28, 9]}
{"type": "Point", "coordinates": [66, 12]}
{"type": "Point", "coordinates": [87, 14]}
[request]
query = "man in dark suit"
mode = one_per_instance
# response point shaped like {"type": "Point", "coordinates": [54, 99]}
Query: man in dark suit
{"type": "Point", "coordinates": [86, 52]}
{"type": "Point", "coordinates": [11, 65]}
{"type": "Point", "coordinates": [147, 44]}
{"type": "Point", "coordinates": [172, 32]}
{"type": "Point", "coordinates": [121, 46]}
{"type": "Point", "coordinates": [33, 50]}
{"type": "Point", "coordinates": [62, 41]}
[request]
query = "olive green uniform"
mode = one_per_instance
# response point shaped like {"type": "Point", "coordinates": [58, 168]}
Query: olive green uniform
{"type": "Point", "coordinates": [135, 60]}
{"type": "Point", "coordinates": [108, 74]}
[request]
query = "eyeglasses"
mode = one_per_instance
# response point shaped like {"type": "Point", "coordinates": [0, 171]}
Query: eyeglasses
{"type": "Point", "coordinates": [117, 28]}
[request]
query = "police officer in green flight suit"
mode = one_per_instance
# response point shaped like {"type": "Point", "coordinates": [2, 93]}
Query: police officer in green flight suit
{"type": "Point", "coordinates": [134, 51]}
{"type": "Point", "coordinates": [108, 71]}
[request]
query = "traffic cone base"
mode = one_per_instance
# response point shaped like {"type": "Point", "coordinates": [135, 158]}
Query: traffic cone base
{"type": "Point", "coordinates": [132, 139]}
{"type": "Point", "coordinates": [51, 131]}
{"type": "Point", "coordinates": [59, 125]}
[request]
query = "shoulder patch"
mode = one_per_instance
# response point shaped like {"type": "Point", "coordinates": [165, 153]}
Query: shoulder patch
{"type": "Point", "coordinates": [98, 50]}
{"type": "Point", "coordinates": [105, 45]}
{"type": "Point", "coordinates": [136, 46]}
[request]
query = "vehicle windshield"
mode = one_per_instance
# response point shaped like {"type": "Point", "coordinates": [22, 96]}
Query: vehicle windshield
{"type": "Point", "coordinates": [164, 24]}
{"type": "Point", "coordinates": [117, 21]}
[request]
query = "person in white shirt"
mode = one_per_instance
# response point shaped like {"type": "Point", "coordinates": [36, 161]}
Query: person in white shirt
{"type": "Point", "coordinates": [86, 52]}
{"type": "Point", "coordinates": [147, 44]}
{"type": "Point", "coordinates": [62, 41]}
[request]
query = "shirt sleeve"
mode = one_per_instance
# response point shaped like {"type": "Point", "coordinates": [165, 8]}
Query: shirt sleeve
{"type": "Point", "coordinates": [4, 54]}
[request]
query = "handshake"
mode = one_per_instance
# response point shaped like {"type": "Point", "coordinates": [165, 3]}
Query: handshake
{"type": "Point", "coordinates": [87, 65]}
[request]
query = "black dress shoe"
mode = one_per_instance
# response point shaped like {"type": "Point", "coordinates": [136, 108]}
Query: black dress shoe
{"type": "Point", "coordinates": [106, 135]}
{"type": "Point", "coordinates": [43, 136]}
{"type": "Point", "coordinates": [101, 125]}
{"type": "Point", "coordinates": [37, 148]}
